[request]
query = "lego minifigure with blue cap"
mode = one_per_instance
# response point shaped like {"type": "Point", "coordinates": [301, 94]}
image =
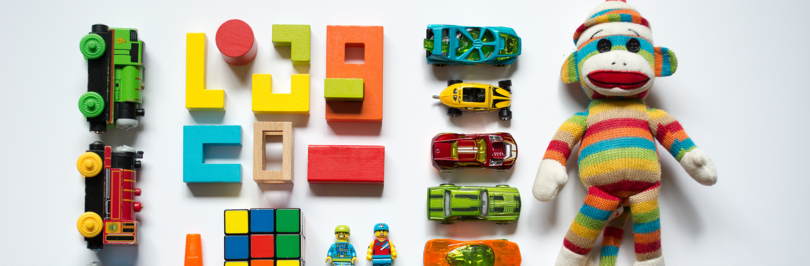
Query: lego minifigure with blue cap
{"type": "Point", "coordinates": [381, 252]}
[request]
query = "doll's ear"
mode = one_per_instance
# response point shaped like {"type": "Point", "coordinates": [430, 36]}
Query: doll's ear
{"type": "Point", "coordinates": [665, 62]}
{"type": "Point", "coordinates": [569, 73]}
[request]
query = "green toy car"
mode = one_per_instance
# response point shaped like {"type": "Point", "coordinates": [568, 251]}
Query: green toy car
{"type": "Point", "coordinates": [448, 203]}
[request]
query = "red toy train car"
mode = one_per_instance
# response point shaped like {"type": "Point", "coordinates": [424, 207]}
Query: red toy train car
{"type": "Point", "coordinates": [109, 199]}
{"type": "Point", "coordinates": [452, 151]}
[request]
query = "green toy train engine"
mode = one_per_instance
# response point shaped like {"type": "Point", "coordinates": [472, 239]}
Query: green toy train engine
{"type": "Point", "coordinates": [114, 78]}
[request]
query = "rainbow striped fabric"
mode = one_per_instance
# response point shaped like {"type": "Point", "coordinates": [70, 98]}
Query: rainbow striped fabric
{"type": "Point", "coordinates": [590, 221]}
{"type": "Point", "coordinates": [611, 15]}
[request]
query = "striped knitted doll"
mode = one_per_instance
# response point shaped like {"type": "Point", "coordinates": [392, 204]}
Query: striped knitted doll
{"type": "Point", "coordinates": [616, 64]}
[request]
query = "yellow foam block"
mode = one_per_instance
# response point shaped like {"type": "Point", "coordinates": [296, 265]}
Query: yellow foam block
{"type": "Point", "coordinates": [267, 102]}
{"type": "Point", "coordinates": [288, 263]}
{"type": "Point", "coordinates": [236, 221]}
{"type": "Point", "coordinates": [197, 97]}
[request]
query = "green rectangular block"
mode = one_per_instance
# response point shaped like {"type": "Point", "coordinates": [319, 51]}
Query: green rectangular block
{"type": "Point", "coordinates": [288, 221]}
{"type": "Point", "coordinates": [343, 90]}
{"type": "Point", "coordinates": [288, 246]}
{"type": "Point", "coordinates": [296, 36]}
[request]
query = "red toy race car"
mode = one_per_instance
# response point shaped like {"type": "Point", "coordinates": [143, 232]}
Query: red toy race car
{"type": "Point", "coordinates": [496, 151]}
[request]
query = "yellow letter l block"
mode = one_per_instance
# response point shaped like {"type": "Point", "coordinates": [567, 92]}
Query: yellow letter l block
{"type": "Point", "coordinates": [267, 102]}
{"type": "Point", "coordinates": [197, 97]}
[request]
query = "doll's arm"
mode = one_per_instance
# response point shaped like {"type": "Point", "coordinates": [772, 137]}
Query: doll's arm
{"type": "Point", "coordinates": [551, 176]}
{"type": "Point", "coordinates": [370, 250]}
{"type": "Point", "coordinates": [393, 250]}
{"type": "Point", "coordinates": [672, 136]}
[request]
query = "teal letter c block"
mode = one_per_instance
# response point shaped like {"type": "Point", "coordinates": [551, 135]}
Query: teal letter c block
{"type": "Point", "coordinates": [195, 138]}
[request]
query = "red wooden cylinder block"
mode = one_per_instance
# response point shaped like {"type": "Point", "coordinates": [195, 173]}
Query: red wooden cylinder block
{"type": "Point", "coordinates": [236, 42]}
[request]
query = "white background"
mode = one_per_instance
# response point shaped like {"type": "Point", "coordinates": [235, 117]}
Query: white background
{"type": "Point", "coordinates": [740, 92]}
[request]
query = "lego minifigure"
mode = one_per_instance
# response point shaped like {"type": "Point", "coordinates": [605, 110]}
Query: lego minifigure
{"type": "Point", "coordinates": [342, 253]}
{"type": "Point", "coordinates": [381, 252]}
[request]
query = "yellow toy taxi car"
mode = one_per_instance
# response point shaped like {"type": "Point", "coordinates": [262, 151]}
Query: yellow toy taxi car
{"type": "Point", "coordinates": [477, 97]}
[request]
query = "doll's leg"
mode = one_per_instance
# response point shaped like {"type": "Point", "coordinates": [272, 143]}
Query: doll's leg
{"type": "Point", "coordinates": [647, 227]}
{"type": "Point", "coordinates": [590, 221]}
{"type": "Point", "coordinates": [612, 238]}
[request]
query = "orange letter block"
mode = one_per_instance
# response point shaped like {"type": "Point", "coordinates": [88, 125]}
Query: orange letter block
{"type": "Point", "coordinates": [371, 71]}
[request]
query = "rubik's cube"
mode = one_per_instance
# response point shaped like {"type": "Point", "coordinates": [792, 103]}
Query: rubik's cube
{"type": "Point", "coordinates": [265, 237]}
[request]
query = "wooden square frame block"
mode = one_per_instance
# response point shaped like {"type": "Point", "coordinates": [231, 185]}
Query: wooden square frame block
{"type": "Point", "coordinates": [260, 131]}
{"type": "Point", "coordinates": [346, 164]}
{"type": "Point", "coordinates": [343, 90]}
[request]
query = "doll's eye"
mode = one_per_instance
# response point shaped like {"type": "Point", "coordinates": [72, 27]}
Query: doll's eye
{"type": "Point", "coordinates": [633, 45]}
{"type": "Point", "coordinates": [604, 45]}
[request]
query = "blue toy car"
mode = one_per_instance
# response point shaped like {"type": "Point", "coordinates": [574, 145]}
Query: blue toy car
{"type": "Point", "coordinates": [462, 45]}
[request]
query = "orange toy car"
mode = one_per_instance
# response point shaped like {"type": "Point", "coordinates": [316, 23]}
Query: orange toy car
{"type": "Point", "coordinates": [448, 252]}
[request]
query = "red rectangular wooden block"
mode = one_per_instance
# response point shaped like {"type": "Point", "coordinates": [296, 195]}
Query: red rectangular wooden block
{"type": "Point", "coordinates": [358, 164]}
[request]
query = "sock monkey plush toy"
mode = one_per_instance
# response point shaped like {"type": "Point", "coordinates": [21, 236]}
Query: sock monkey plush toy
{"type": "Point", "coordinates": [616, 64]}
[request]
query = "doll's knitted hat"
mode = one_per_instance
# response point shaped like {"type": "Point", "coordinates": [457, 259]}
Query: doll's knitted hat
{"type": "Point", "coordinates": [611, 11]}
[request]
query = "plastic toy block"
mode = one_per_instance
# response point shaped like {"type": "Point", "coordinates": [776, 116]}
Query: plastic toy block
{"type": "Point", "coordinates": [289, 221]}
{"type": "Point", "coordinates": [194, 140]}
{"type": "Point", "coordinates": [236, 42]}
{"type": "Point", "coordinates": [262, 263]}
{"type": "Point", "coordinates": [371, 71]}
{"type": "Point", "coordinates": [288, 263]}
{"type": "Point", "coordinates": [236, 221]}
{"type": "Point", "coordinates": [288, 246]}
{"type": "Point", "coordinates": [343, 89]}
{"type": "Point", "coordinates": [193, 250]}
{"type": "Point", "coordinates": [267, 102]}
{"type": "Point", "coordinates": [260, 131]}
{"type": "Point", "coordinates": [296, 36]}
{"type": "Point", "coordinates": [262, 220]}
{"type": "Point", "coordinates": [237, 247]}
{"type": "Point", "coordinates": [236, 263]}
{"type": "Point", "coordinates": [197, 97]}
{"type": "Point", "coordinates": [346, 164]}
{"type": "Point", "coordinates": [262, 246]}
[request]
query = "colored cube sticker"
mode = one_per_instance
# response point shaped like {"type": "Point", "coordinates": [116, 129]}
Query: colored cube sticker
{"type": "Point", "coordinates": [288, 246]}
{"type": "Point", "coordinates": [237, 247]}
{"type": "Point", "coordinates": [335, 89]}
{"type": "Point", "coordinates": [262, 246]}
{"type": "Point", "coordinates": [288, 220]}
{"type": "Point", "coordinates": [236, 221]}
{"type": "Point", "coordinates": [236, 263]}
{"type": "Point", "coordinates": [288, 263]}
{"type": "Point", "coordinates": [263, 263]}
{"type": "Point", "coordinates": [262, 220]}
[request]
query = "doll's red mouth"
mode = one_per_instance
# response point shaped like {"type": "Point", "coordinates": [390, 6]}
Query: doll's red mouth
{"type": "Point", "coordinates": [618, 79]}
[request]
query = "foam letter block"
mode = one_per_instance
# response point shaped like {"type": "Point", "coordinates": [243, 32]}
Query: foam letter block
{"type": "Point", "coordinates": [267, 102]}
{"type": "Point", "coordinates": [343, 89]}
{"type": "Point", "coordinates": [197, 97]}
{"type": "Point", "coordinates": [371, 71]}
{"type": "Point", "coordinates": [296, 36]}
{"type": "Point", "coordinates": [260, 131]}
{"type": "Point", "coordinates": [346, 164]}
{"type": "Point", "coordinates": [195, 138]}
{"type": "Point", "coordinates": [236, 42]}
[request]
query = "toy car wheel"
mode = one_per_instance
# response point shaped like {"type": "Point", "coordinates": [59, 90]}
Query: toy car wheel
{"type": "Point", "coordinates": [91, 104]}
{"type": "Point", "coordinates": [505, 114]}
{"type": "Point", "coordinates": [447, 185]}
{"type": "Point", "coordinates": [439, 65]}
{"type": "Point", "coordinates": [445, 222]}
{"type": "Point", "coordinates": [502, 223]}
{"type": "Point", "coordinates": [92, 46]}
{"type": "Point", "coordinates": [500, 65]}
{"type": "Point", "coordinates": [89, 164]}
{"type": "Point", "coordinates": [453, 112]}
{"type": "Point", "coordinates": [427, 53]}
{"type": "Point", "coordinates": [454, 81]}
{"type": "Point", "coordinates": [505, 83]}
{"type": "Point", "coordinates": [502, 185]}
{"type": "Point", "coordinates": [447, 171]}
{"type": "Point", "coordinates": [89, 224]}
{"type": "Point", "coordinates": [428, 34]}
